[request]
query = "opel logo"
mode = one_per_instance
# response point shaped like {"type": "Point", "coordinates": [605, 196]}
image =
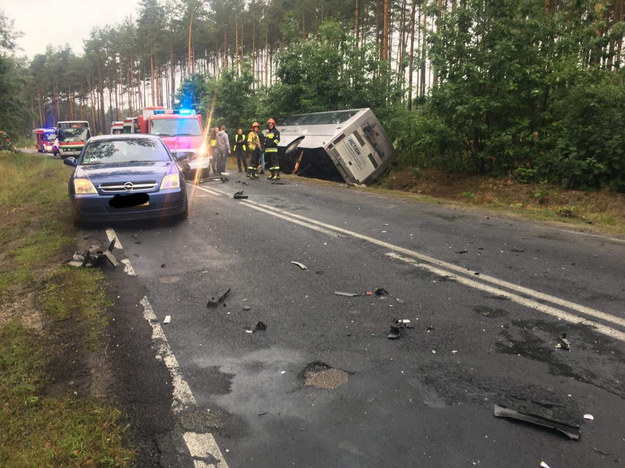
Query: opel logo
{"type": "Point", "coordinates": [128, 186]}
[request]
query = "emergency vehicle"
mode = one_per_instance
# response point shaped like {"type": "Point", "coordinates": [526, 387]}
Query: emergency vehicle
{"type": "Point", "coordinates": [117, 127]}
{"type": "Point", "coordinates": [44, 139]}
{"type": "Point", "coordinates": [181, 130]}
{"type": "Point", "coordinates": [71, 137]}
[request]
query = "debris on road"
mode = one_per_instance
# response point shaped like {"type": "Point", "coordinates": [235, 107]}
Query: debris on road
{"type": "Point", "coordinates": [544, 465]}
{"type": "Point", "coordinates": [517, 250]}
{"type": "Point", "coordinates": [381, 292]}
{"type": "Point", "coordinates": [93, 257]}
{"type": "Point", "coordinates": [246, 307]}
{"type": "Point", "coordinates": [550, 415]}
{"type": "Point", "coordinates": [589, 417]}
{"type": "Point", "coordinates": [347, 294]}
{"type": "Point", "coordinates": [216, 300]}
{"type": "Point", "coordinates": [278, 183]}
{"type": "Point", "coordinates": [239, 195]}
{"type": "Point", "coordinates": [564, 343]}
{"type": "Point", "coordinates": [393, 333]}
{"type": "Point", "coordinates": [398, 324]}
{"type": "Point", "coordinates": [259, 327]}
{"type": "Point", "coordinates": [605, 454]}
{"type": "Point", "coordinates": [167, 319]}
{"type": "Point", "coordinates": [462, 251]}
{"type": "Point", "coordinates": [301, 265]}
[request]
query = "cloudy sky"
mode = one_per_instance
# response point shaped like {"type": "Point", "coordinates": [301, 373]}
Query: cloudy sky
{"type": "Point", "coordinates": [60, 22]}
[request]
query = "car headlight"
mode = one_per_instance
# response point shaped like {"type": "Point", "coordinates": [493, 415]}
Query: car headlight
{"type": "Point", "coordinates": [170, 181]}
{"type": "Point", "coordinates": [203, 149]}
{"type": "Point", "coordinates": [82, 186]}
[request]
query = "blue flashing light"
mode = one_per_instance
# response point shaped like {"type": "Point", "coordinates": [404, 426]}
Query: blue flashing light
{"type": "Point", "coordinates": [185, 111]}
{"type": "Point", "coordinates": [159, 112]}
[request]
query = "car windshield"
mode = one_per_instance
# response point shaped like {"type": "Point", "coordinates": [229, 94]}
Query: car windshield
{"type": "Point", "coordinates": [50, 137]}
{"type": "Point", "coordinates": [124, 151]}
{"type": "Point", "coordinates": [69, 132]}
{"type": "Point", "coordinates": [320, 118]}
{"type": "Point", "coordinates": [175, 127]}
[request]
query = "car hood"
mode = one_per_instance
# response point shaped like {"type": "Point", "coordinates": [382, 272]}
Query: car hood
{"type": "Point", "coordinates": [125, 172]}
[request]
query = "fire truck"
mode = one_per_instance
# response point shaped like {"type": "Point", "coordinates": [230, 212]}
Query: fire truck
{"type": "Point", "coordinates": [71, 137]}
{"type": "Point", "coordinates": [44, 139]}
{"type": "Point", "coordinates": [181, 130]}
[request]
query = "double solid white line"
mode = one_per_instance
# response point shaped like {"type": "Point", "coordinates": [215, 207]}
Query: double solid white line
{"type": "Point", "coordinates": [576, 313]}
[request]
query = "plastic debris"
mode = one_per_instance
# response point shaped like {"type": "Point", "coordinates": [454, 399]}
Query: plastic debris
{"type": "Point", "coordinates": [216, 300]}
{"type": "Point", "coordinates": [544, 465]}
{"type": "Point", "coordinates": [167, 319]}
{"type": "Point", "coordinates": [462, 251]}
{"type": "Point", "coordinates": [564, 343]}
{"type": "Point", "coordinates": [347, 294]}
{"type": "Point", "coordinates": [93, 257]}
{"type": "Point", "coordinates": [545, 414]}
{"type": "Point", "coordinates": [381, 292]}
{"type": "Point", "coordinates": [605, 454]}
{"type": "Point", "coordinates": [258, 327]}
{"type": "Point", "coordinates": [239, 195]}
{"type": "Point", "coordinates": [301, 265]}
{"type": "Point", "coordinates": [283, 372]}
{"type": "Point", "coordinates": [589, 417]}
{"type": "Point", "coordinates": [246, 307]}
{"type": "Point", "coordinates": [398, 324]}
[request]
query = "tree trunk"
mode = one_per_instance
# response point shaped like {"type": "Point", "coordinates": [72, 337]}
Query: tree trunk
{"type": "Point", "coordinates": [190, 64]}
{"type": "Point", "coordinates": [423, 49]}
{"type": "Point", "coordinates": [411, 59]}
{"type": "Point", "coordinates": [356, 26]}
{"type": "Point", "coordinates": [236, 45]}
{"type": "Point", "coordinates": [101, 92]}
{"type": "Point", "coordinates": [172, 75]}
{"type": "Point", "coordinates": [267, 57]}
{"type": "Point", "coordinates": [41, 121]}
{"type": "Point", "coordinates": [152, 80]}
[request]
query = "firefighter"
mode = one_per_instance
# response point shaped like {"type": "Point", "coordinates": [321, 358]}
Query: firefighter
{"type": "Point", "coordinates": [253, 143]}
{"type": "Point", "coordinates": [272, 137]}
{"type": "Point", "coordinates": [240, 148]}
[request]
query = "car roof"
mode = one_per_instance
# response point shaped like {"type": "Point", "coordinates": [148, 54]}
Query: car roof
{"type": "Point", "coordinates": [125, 136]}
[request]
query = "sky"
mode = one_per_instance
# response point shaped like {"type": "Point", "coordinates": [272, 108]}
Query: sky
{"type": "Point", "coordinates": [60, 22]}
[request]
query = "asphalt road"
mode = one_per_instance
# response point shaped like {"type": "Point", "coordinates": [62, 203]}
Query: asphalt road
{"type": "Point", "coordinates": [488, 299]}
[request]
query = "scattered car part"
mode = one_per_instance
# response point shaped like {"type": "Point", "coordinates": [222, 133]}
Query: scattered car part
{"type": "Point", "coordinates": [239, 195]}
{"type": "Point", "coordinates": [381, 292]}
{"type": "Point", "coordinates": [393, 333]}
{"type": "Point", "coordinates": [347, 294]}
{"type": "Point", "coordinates": [545, 414]}
{"type": "Point", "coordinates": [93, 257]}
{"type": "Point", "coordinates": [167, 319]}
{"type": "Point", "coordinates": [216, 300]}
{"type": "Point", "coordinates": [301, 265]}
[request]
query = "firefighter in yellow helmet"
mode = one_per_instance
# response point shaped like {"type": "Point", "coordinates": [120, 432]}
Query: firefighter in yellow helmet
{"type": "Point", "coordinates": [272, 137]}
{"type": "Point", "coordinates": [253, 145]}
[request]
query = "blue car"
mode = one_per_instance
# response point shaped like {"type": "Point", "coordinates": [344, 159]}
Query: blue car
{"type": "Point", "coordinates": [125, 178]}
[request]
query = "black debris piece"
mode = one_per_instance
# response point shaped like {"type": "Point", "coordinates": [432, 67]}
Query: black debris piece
{"type": "Point", "coordinates": [462, 251]}
{"type": "Point", "coordinates": [163, 265]}
{"type": "Point", "coordinates": [216, 300]}
{"type": "Point", "coordinates": [564, 343]}
{"type": "Point", "coordinates": [239, 195]}
{"type": "Point", "coordinates": [551, 415]}
{"type": "Point", "coordinates": [381, 292]}
{"type": "Point", "coordinates": [393, 333]}
{"type": "Point", "coordinates": [517, 250]}
{"type": "Point", "coordinates": [260, 326]}
{"type": "Point", "coordinates": [396, 327]}
{"type": "Point", "coordinates": [93, 257]}
{"type": "Point", "coordinates": [347, 294]}
{"type": "Point", "coordinates": [278, 183]}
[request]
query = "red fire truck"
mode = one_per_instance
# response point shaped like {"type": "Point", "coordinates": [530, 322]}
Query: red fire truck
{"type": "Point", "coordinates": [181, 130]}
{"type": "Point", "coordinates": [44, 139]}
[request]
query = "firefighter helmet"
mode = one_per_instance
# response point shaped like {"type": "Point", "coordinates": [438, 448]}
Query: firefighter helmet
{"type": "Point", "coordinates": [271, 121]}
{"type": "Point", "coordinates": [255, 124]}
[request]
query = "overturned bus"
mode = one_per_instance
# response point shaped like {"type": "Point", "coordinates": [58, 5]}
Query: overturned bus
{"type": "Point", "coordinates": [348, 145]}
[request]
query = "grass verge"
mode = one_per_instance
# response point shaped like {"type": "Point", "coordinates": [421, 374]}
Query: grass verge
{"type": "Point", "coordinates": [597, 211]}
{"type": "Point", "coordinates": [46, 418]}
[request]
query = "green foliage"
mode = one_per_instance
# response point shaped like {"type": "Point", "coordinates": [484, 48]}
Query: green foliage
{"type": "Point", "coordinates": [522, 91]}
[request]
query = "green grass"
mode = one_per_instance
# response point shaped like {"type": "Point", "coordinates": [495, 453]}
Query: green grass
{"type": "Point", "coordinates": [36, 236]}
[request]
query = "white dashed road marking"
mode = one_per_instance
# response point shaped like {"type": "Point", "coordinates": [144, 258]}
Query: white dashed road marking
{"type": "Point", "coordinates": [111, 234]}
{"type": "Point", "coordinates": [202, 447]}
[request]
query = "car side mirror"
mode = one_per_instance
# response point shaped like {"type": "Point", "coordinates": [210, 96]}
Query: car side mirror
{"type": "Point", "coordinates": [71, 161]}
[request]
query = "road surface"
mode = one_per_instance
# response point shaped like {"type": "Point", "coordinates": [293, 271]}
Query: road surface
{"type": "Point", "coordinates": [488, 299]}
